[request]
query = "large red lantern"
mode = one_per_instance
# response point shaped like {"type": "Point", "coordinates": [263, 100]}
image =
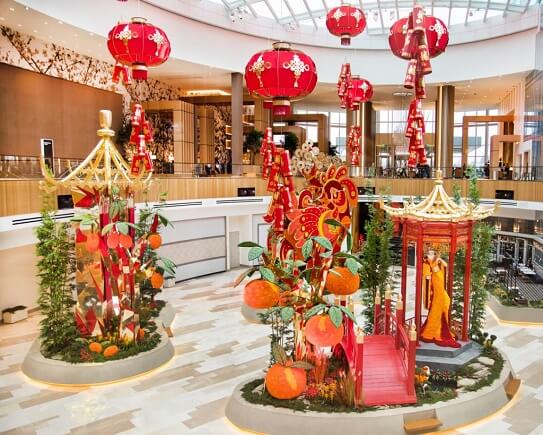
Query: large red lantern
{"type": "Point", "coordinates": [437, 35]}
{"type": "Point", "coordinates": [281, 75]}
{"type": "Point", "coordinates": [139, 45]}
{"type": "Point", "coordinates": [359, 91]}
{"type": "Point", "coordinates": [345, 21]}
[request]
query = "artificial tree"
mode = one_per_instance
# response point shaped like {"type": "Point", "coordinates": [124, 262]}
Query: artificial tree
{"type": "Point", "coordinates": [56, 269]}
{"type": "Point", "coordinates": [376, 259]}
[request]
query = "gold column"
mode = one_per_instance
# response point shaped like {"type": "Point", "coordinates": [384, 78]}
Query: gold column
{"type": "Point", "coordinates": [444, 135]}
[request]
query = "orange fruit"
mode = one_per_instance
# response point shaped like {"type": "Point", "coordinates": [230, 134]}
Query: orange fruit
{"type": "Point", "coordinates": [157, 280]}
{"type": "Point", "coordinates": [93, 242]}
{"type": "Point", "coordinates": [261, 294]}
{"type": "Point", "coordinates": [95, 347]}
{"type": "Point", "coordinates": [320, 331]}
{"type": "Point", "coordinates": [113, 240]}
{"type": "Point", "coordinates": [285, 382]}
{"type": "Point", "coordinates": [126, 241]}
{"type": "Point", "coordinates": [342, 282]}
{"type": "Point", "coordinates": [141, 334]}
{"type": "Point", "coordinates": [155, 241]}
{"type": "Point", "coordinates": [111, 351]}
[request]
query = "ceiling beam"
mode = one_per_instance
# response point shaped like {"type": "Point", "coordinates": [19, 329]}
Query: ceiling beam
{"type": "Point", "coordinates": [250, 8]}
{"type": "Point", "coordinates": [467, 13]}
{"type": "Point", "coordinates": [272, 11]}
{"type": "Point", "coordinates": [506, 7]}
{"type": "Point", "coordinates": [527, 6]}
{"type": "Point", "coordinates": [311, 15]}
{"type": "Point", "coordinates": [325, 5]}
{"type": "Point", "coordinates": [291, 12]}
{"type": "Point", "coordinates": [381, 17]}
{"type": "Point", "coordinates": [486, 10]}
{"type": "Point", "coordinates": [450, 10]}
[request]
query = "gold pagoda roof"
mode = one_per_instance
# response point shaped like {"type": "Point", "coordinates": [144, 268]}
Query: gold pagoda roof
{"type": "Point", "coordinates": [440, 207]}
{"type": "Point", "coordinates": [102, 168]}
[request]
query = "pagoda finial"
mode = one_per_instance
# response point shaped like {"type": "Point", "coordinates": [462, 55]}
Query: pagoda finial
{"type": "Point", "coordinates": [105, 118]}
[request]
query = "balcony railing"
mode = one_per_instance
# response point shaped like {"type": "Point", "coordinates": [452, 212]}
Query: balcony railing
{"type": "Point", "coordinates": [19, 167]}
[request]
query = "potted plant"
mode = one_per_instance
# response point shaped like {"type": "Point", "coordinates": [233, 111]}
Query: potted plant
{"type": "Point", "coordinates": [14, 314]}
{"type": "Point", "coordinates": [252, 143]}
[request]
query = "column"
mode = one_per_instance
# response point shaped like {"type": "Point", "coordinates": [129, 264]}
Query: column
{"type": "Point", "coordinates": [367, 125]}
{"type": "Point", "coordinates": [237, 123]}
{"type": "Point", "coordinates": [444, 131]}
{"type": "Point", "coordinates": [418, 284]}
{"type": "Point", "coordinates": [261, 115]}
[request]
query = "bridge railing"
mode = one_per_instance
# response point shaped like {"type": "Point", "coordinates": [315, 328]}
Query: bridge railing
{"type": "Point", "coordinates": [387, 322]}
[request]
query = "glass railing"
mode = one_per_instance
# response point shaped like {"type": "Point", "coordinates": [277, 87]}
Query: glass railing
{"type": "Point", "coordinates": [18, 167]}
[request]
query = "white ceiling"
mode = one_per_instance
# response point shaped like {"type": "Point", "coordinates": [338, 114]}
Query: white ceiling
{"type": "Point", "coordinates": [191, 76]}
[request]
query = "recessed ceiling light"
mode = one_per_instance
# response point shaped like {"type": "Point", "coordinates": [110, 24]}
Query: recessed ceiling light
{"type": "Point", "coordinates": [75, 34]}
{"type": "Point", "coordinates": [26, 8]}
{"type": "Point", "coordinates": [12, 9]}
{"type": "Point", "coordinates": [45, 22]}
{"type": "Point", "coordinates": [60, 22]}
{"type": "Point", "coordinates": [91, 34]}
{"type": "Point", "coordinates": [2, 18]}
{"type": "Point", "coordinates": [35, 31]}
{"type": "Point", "coordinates": [19, 25]}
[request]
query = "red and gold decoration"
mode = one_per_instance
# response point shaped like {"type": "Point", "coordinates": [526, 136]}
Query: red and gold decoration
{"type": "Point", "coordinates": [417, 39]}
{"type": "Point", "coordinates": [345, 21]}
{"type": "Point", "coordinates": [353, 91]}
{"type": "Point", "coordinates": [142, 134]}
{"type": "Point", "coordinates": [113, 260]}
{"type": "Point", "coordinates": [435, 226]}
{"type": "Point", "coordinates": [309, 283]}
{"type": "Point", "coordinates": [281, 75]}
{"type": "Point", "coordinates": [138, 45]}
{"type": "Point", "coordinates": [307, 156]}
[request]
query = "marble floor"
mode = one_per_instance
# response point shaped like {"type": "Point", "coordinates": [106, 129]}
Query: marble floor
{"type": "Point", "coordinates": [215, 349]}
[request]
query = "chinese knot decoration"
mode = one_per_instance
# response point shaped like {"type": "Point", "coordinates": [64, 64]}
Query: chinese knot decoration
{"type": "Point", "coordinates": [415, 133]}
{"type": "Point", "coordinates": [142, 134]}
{"type": "Point", "coordinates": [353, 143]}
{"type": "Point", "coordinates": [352, 90]}
{"type": "Point", "coordinates": [345, 21]}
{"type": "Point", "coordinates": [138, 45]}
{"type": "Point", "coordinates": [276, 169]}
{"type": "Point", "coordinates": [121, 70]}
{"type": "Point", "coordinates": [417, 39]}
{"type": "Point", "coordinates": [281, 75]}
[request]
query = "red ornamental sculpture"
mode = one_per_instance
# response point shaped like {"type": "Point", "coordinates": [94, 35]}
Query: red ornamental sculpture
{"type": "Point", "coordinates": [353, 143]}
{"type": "Point", "coordinates": [345, 21]}
{"type": "Point", "coordinates": [139, 45]}
{"type": "Point", "coordinates": [281, 75]}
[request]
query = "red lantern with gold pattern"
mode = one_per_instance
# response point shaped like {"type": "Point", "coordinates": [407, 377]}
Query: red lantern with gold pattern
{"type": "Point", "coordinates": [139, 45]}
{"type": "Point", "coordinates": [345, 21]}
{"type": "Point", "coordinates": [281, 75]}
{"type": "Point", "coordinates": [437, 35]}
{"type": "Point", "coordinates": [359, 91]}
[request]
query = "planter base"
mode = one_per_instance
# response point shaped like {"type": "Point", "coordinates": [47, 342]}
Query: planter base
{"type": "Point", "coordinates": [466, 408]}
{"type": "Point", "coordinates": [520, 315]}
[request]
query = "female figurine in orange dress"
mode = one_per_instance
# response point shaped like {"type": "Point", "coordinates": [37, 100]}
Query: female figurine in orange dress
{"type": "Point", "coordinates": [436, 329]}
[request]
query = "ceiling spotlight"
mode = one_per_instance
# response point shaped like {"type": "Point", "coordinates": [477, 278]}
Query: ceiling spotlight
{"type": "Point", "coordinates": [375, 15]}
{"type": "Point", "coordinates": [232, 16]}
{"type": "Point", "coordinates": [392, 15]}
{"type": "Point", "coordinates": [12, 9]}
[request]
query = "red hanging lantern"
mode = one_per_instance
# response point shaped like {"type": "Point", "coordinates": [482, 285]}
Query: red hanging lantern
{"type": "Point", "coordinates": [345, 21]}
{"type": "Point", "coordinates": [139, 45]}
{"type": "Point", "coordinates": [281, 75]}
{"type": "Point", "coordinates": [437, 35]}
{"type": "Point", "coordinates": [359, 91]}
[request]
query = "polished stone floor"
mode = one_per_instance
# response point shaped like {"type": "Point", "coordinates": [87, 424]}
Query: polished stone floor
{"type": "Point", "coordinates": [215, 350]}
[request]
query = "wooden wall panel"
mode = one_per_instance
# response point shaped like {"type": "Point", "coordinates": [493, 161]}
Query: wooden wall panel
{"type": "Point", "coordinates": [35, 106]}
{"type": "Point", "coordinates": [24, 196]}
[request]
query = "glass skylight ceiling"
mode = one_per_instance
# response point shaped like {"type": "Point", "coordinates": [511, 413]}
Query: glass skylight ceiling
{"type": "Point", "coordinates": [380, 14]}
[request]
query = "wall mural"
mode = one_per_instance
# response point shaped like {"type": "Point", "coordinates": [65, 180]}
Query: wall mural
{"type": "Point", "coordinates": [28, 52]}
{"type": "Point", "coordinates": [162, 145]}
{"type": "Point", "coordinates": [222, 116]}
